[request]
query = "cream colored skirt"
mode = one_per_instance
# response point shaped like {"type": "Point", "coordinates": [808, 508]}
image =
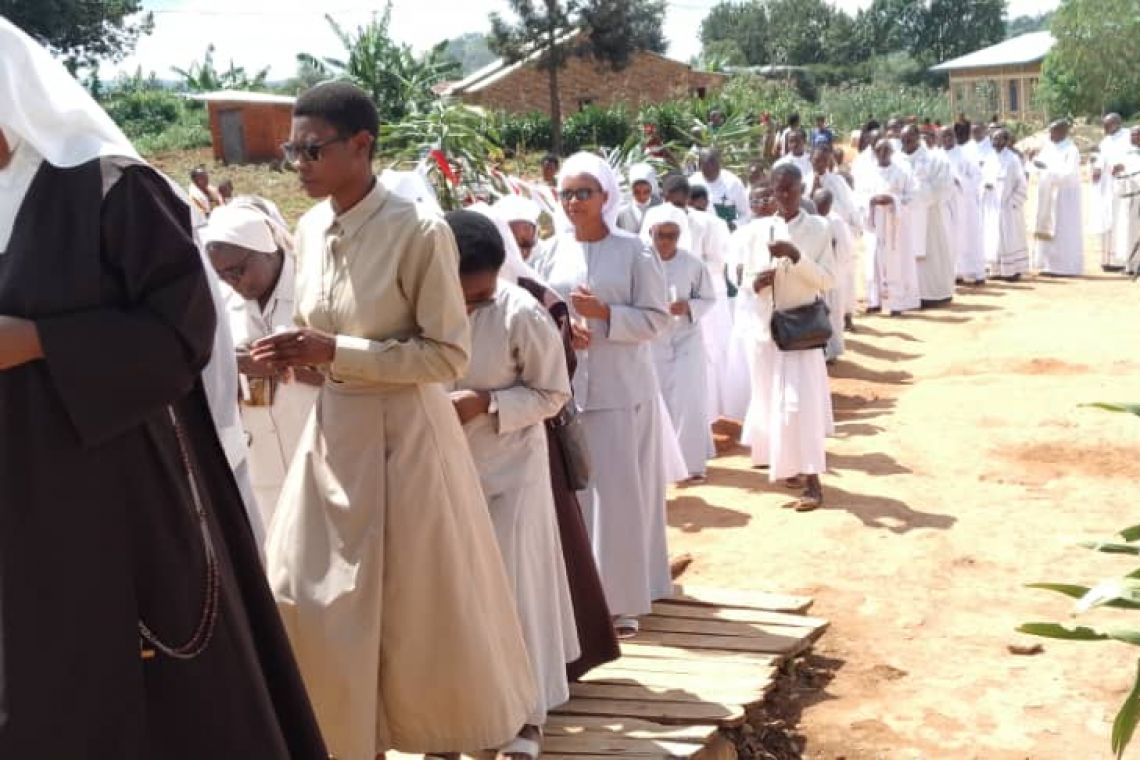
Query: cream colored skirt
{"type": "Point", "coordinates": [387, 574]}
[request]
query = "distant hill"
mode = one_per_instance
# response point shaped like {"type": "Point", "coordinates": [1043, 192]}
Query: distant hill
{"type": "Point", "coordinates": [471, 51]}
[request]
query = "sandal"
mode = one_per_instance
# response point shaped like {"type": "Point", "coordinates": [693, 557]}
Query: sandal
{"type": "Point", "coordinates": [521, 746]}
{"type": "Point", "coordinates": [808, 503]}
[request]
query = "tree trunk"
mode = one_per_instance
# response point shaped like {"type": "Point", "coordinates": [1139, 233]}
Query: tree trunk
{"type": "Point", "coordinates": [555, 113]}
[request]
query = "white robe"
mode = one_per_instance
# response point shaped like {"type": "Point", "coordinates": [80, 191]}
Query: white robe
{"type": "Point", "coordinates": [615, 385]}
{"type": "Point", "coordinates": [728, 198]}
{"type": "Point", "coordinates": [841, 296]}
{"type": "Point", "coordinates": [790, 415]}
{"type": "Point", "coordinates": [1127, 229]}
{"type": "Point", "coordinates": [803, 163]}
{"type": "Point", "coordinates": [711, 242]}
{"type": "Point", "coordinates": [272, 431]}
{"type": "Point", "coordinates": [517, 355]}
{"type": "Point", "coordinates": [1004, 193]}
{"type": "Point", "coordinates": [1058, 229]}
{"type": "Point", "coordinates": [891, 270]}
{"type": "Point", "coordinates": [926, 223]}
{"type": "Point", "coordinates": [679, 354]}
{"type": "Point", "coordinates": [966, 215]}
{"type": "Point", "coordinates": [1110, 153]}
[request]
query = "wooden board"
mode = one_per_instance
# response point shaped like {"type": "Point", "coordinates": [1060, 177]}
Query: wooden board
{"type": "Point", "coordinates": [721, 627]}
{"type": "Point", "coordinates": [762, 666]}
{"type": "Point", "coordinates": [567, 725]}
{"type": "Point", "coordinates": [693, 682]}
{"type": "Point", "coordinates": [751, 600]}
{"type": "Point", "coordinates": [761, 644]}
{"type": "Point", "coordinates": [709, 692]}
{"type": "Point", "coordinates": [615, 745]}
{"type": "Point", "coordinates": [737, 615]}
{"type": "Point", "coordinates": [643, 647]}
{"type": "Point", "coordinates": [658, 712]}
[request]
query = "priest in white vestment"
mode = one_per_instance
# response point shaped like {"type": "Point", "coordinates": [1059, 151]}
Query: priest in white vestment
{"type": "Point", "coordinates": [1128, 187]}
{"type": "Point", "coordinates": [926, 223]}
{"type": "Point", "coordinates": [1004, 192]}
{"type": "Point", "coordinates": [891, 269]}
{"type": "Point", "coordinates": [1107, 165]}
{"type": "Point", "coordinates": [791, 414]}
{"type": "Point", "coordinates": [965, 205]}
{"type": "Point", "coordinates": [679, 352]}
{"type": "Point", "coordinates": [727, 193]}
{"type": "Point", "coordinates": [1057, 227]}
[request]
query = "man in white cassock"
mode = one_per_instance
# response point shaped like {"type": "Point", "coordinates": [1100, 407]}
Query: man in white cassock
{"type": "Point", "coordinates": [799, 157]}
{"type": "Point", "coordinates": [679, 352]}
{"type": "Point", "coordinates": [965, 205]}
{"type": "Point", "coordinates": [927, 233]}
{"type": "Point", "coordinates": [844, 208]}
{"type": "Point", "coordinates": [786, 266]}
{"type": "Point", "coordinates": [1057, 226]}
{"type": "Point", "coordinates": [1107, 165]}
{"type": "Point", "coordinates": [891, 270]}
{"type": "Point", "coordinates": [1126, 227]}
{"type": "Point", "coordinates": [842, 251]}
{"type": "Point", "coordinates": [726, 191]}
{"type": "Point", "coordinates": [1004, 191]}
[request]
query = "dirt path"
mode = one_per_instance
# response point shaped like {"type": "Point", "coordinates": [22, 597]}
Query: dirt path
{"type": "Point", "coordinates": [962, 468]}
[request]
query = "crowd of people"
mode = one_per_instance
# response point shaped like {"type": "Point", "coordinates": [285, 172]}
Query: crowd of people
{"type": "Point", "coordinates": [442, 497]}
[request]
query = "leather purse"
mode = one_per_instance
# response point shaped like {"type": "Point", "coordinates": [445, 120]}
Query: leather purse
{"type": "Point", "coordinates": [802, 328]}
{"type": "Point", "coordinates": [567, 428]}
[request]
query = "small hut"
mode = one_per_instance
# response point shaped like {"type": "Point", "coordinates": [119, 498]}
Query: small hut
{"type": "Point", "coordinates": [1001, 79]}
{"type": "Point", "coordinates": [247, 127]}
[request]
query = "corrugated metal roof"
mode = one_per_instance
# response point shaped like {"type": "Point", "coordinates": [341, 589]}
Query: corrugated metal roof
{"type": "Point", "coordinates": [241, 96]}
{"type": "Point", "coordinates": [1028, 48]}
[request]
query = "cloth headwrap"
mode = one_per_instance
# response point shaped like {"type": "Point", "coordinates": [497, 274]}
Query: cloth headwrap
{"type": "Point", "coordinates": [644, 173]}
{"type": "Point", "coordinates": [596, 167]}
{"type": "Point", "coordinates": [48, 109]}
{"type": "Point", "coordinates": [515, 208]}
{"type": "Point", "coordinates": [514, 266]}
{"type": "Point", "coordinates": [268, 209]}
{"type": "Point", "coordinates": [411, 186]}
{"type": "Point", "coordinates": [667, 213]}
{"type": "Point", "coordinates": [242, 226]}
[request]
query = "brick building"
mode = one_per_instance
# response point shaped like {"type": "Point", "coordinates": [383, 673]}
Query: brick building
{"type": "Point", "coordinates": [999, 80]}
{"type": "Point", "coordinates": [524, 88]}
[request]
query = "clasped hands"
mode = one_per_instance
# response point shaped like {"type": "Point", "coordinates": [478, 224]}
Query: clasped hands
{"type": "Point", "coordinates": [779, 249]}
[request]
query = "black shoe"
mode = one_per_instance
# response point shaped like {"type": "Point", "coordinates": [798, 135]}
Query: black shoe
{"type": "Point", "coordinates": [1112, 268]}
{"type": "Point", "coordinates": [936, 303]}
{"type": "Point", "coordinates": [896, 313]}
{"type": "Point", "coordinates": [874, 309]}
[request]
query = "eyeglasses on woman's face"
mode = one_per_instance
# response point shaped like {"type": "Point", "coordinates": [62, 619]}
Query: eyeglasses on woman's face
{"type": "Point", "coordinates": [580, 194]}
{"type": "Point", "coordinates": [659, 234]}
{"type": "Point", "coordinates": [311, 151]}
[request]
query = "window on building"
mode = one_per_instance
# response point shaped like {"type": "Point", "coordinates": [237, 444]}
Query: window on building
{"type": "Point", "coordinates": [1014, 96]}
{"type": "Point", "coordinates": [584, 103]}
{"type": "Point", "coordinates": [701, 92]}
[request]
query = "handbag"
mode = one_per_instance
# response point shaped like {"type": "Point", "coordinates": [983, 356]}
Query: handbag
{"type": "Point", "coordinates": [802, 328]}
{"type": "Point", "coordinates": [567, 428]}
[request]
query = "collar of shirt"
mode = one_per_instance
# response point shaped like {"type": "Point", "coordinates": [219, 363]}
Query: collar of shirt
{"type": "Point", "coordinates": [346, 225]}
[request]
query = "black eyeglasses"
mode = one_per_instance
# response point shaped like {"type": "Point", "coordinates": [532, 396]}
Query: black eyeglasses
{"type": "Point", "coordinates": [312, 151]}
{"type": "Point", "coordinates": [578, 194]}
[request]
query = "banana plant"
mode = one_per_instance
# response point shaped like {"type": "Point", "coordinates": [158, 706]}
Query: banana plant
{"type": "Point", "coordinates": [1118, 593]}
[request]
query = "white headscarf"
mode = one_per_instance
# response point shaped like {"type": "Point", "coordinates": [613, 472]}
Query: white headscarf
{"type": "Point", "coordinates": [644, 173]}
{"type": "Point", "coordinates": [48, 109]}
{"type": "Point", "coordinates": [516, 208]}
{"type": "Point", "coordinates": [411, 186]}
{"type": "Point", "coordinates": [514, 266]}
{"type": "Point", "coordinates": [596, 167]}
{"type": "Point", "coordinates": [667, 213]}
{"type": "Point", "coordinates": [243, 226]}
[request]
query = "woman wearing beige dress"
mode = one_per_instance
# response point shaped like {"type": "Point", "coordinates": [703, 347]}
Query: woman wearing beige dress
{"type": "Point", "coordinates": [382, 555]}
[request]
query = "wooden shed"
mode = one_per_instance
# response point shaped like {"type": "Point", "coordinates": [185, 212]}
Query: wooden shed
{"type": "Point", "coordinates": [248, 127]}
{"type": "Point", "coordinates": [1001, 79]}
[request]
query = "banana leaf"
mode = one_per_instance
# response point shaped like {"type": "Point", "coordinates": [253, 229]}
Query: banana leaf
{"type": "Point", "coordinates": [1074, 591]}
{"type": "Point", "coordinates": [1058, 631]}
{"type": "Point", "coordinates": [1115, 407]}
{"type": "Point", "coordinates": [1124, 726]}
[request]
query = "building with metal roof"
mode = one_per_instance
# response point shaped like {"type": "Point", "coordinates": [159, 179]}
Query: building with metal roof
{"type": "Point", "coordinates": [1000, 80]}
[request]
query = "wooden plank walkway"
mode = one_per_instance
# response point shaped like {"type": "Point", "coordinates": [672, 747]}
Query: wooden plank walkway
{"type": "Point", "coordinates": [702, 658]}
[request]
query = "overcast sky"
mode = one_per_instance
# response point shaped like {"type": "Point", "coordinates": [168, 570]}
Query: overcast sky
{"type": "Point", "coordinates": [259, 33]}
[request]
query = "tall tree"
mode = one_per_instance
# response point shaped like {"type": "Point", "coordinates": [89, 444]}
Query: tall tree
{"type": "Point", "coordinates": [743, 24]}
{"type": "Point", "coordinates": [950, 28]}
{"type": "Point", "coordinates": [797, 29]}
{"type": "Point", "coordinates": [82, 32]}
{"type": "Point", "coordinates": [1025, 24]}
{"type": "Point", "coordinates": [552, 31]}
{"type": "Point", "coordinates": [1092, 66]}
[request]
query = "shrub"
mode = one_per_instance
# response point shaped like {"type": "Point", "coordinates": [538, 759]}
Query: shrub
{"type": "Point", "coordinates": [144, 112]}
{"type": "Point", "coordinates": [525, 132]}
{"type": "Point", "coordinates": [849, 106]}
{"type": "Point", "coordinates": [596, 127]}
